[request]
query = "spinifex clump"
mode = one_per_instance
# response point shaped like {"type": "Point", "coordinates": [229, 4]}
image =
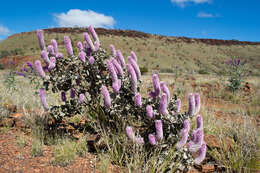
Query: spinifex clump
{"type": "Point", "coordinates": [107, 88]}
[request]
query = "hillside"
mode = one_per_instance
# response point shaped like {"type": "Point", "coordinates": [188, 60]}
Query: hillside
{"type": "Point", "coordinates": [154, 51]}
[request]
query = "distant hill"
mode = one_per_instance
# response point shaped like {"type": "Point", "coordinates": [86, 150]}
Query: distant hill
{"type": "Point", "coordinates": [154, 51]}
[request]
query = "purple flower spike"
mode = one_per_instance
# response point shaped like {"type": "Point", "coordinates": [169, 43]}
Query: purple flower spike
{"type": "Point", "coordinates": [163, 104]}
{"type": "Point", "coordinates": [197, 141]}
{"type": "Point", "coordinates": [139, 140]}
{"type": "Point", "coordinates": [43, 99]}
{"type": "Point", "coordinates": [63, 96]}
{"type": "Point", "coordinates": [52, 63]}
{"type": "Point", "coordinates": [72, 93]}
{"type": "Point", "coordinates": [106, 96]}
{"type": "Point", "coordinates": [117, 66]}
{"type": "Point", "coordinates": [51, 50]}
{"type": "Point", "coordinates": [238, 62]}
{"type": "Point", "coordinates": [152, 139]}
{"type": "Point", "coordinates": [113, 50]}
{"type": "Point", "coordinates": [82, 56]}
{"type": "Point", "coordinates": [149, 112]}
{"type": "Point", "coordinates": [197, 103]}
{"type": "Point", "coordinates": [111, 70]}
{"type": "Point", "coordinates": [201, 154]}
{"type": "Point", "coordinates": [184, 138]}
{"type": "Point", "coordinates": [55, 45]}
{"type": "Point", "coordinates": [178, 103]}
{"type": "Point", "coordinates": [156, 86]}
{"type": "Point", "coordinates": [41, 39]}
{"type": "Point", "coordinates": [29, 65]}
{"type": "Point", "coordinates": [199, 122]}
{"type": "Point", "coordinates": [45, 57]}
{"type": "Point", "coordinates": [159, 130]}
{"type": "Point", "coordinates": [91, 60]}
{"type": "Point", "coordinates": [81, 98]}
{"type": "Point", "coordinates": [97, 45]}
{"type": "Point", "coordinates": [116, 86]}
{"type": "Point", "coordinates": [68, 45]}
{"type": "Point", "coordinates": [25, 69]}
{"type": "Point", "coordinates": [80, 46]}
{"type": "Point", "coordinates": [133, 55]}
{"type": "Point", "coordinates": [59, 55]}
{"type": "Point", "coordinates": [38, 67]}
{"type": "Point", "coordinates": [191, 110]}
{"type": "Point", "coordinates": [120, 58]}
{"type": "Point", "coordinates": [138, 100]}
{"type": "Point", "coordinates": [133, 78]}
{"type": "Point", "coordinates": [186, 125]}
{"type": "Point", "coordinates": [135, 66]}
{"type": "Point", "coordinates": [20, 74]}
{"type": "Point", "coordinates": [89, 41]}
{"type": "Point", "coordinates": [130, 134]}
{"type": "Point", "coordinates": [93, 33]}
{"type": "Point", "coordinates": [165, 90]}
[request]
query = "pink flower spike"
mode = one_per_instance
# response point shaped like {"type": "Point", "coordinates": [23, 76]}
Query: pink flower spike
{"type": "Point", "coordinates": [117, 66]}
{"type": "Point", "coordinates": [44, 55]}
{"type": "Point", "coordinates": [133, 55]}
{"type": "Point", "coordinates": [59, 55]}
{"type": "Point", "coordinates": [38, 67]}
{"type": "Point", "coordinates": [159, 130]}
{"type": "Point", "coordinates": [106, 96]}
{"type": "Point", "coordinates": [196, 143]}
{"type": "Point", "coordinates": [139, 140]}
{"type": "Point", "coordinates": [133, 78]}
{"type": "Point", "coordinates": [51, 50]}
{"type": "Point", "coordinates": [68, 45]}
{"type": "Point", "coordinates": [97, 45]}
{"type": "Point", "coordinates": [89, 41]}
{"type": "Point", "coordinates": [93, 33]}
{"type": "Point", "coordinates": [55, 46]}
{"type": "Point", "coordinates": [197, 103]}
{"type": "Point", "coordinates": [41, 39]}
{"type": "Point", "coordinates": [165, 90]}
{"type": "Point", "coordinates": [149, 112]}
{"type": "Point", "coordinates": [52, 63]}
{"type": "Point", "coordinates": [178, 104]}
{"type": "Point", "coordinates": [152, 139]}
{"type": "Point", "coordinates": [199, 122]}
{"type": "Point", "coordinates": [184, 138]}
{"type": "Point", "coordinates": [91, 60]}
{"type": "Point", "coordinates": [163, 104]}
{"type": "Point", "coordinates": [82, 56]}
{"type": "Point", "coordinates": [135, 66]}
{"type": "Point", "coordinates": [201, 154]}
{"type": "Point", "coordinates": [130, 134]}
{"type": "Point", "coordinates": [81, 98]}
{"type": "Point", "coordinates": [138, 100]}
{"type": "Point", "coordinates": [120, 58]}
{"type": "Point", "coordinates": [111, 70]}
{"type": "Point", "coordinates": [113, 50]}
{"type": "Point", "coordinates": [43, 99]}
{"type": "Point", "coordinates": [115, 86]}
{"type": "Point", "coordinates": [80, 46]}
{"type": "Point", "coordinates": [191, 99]}
{"type": "Point", "coordinates": [186, 125]}
{"type": "Point", "coordinates": [156, 86]}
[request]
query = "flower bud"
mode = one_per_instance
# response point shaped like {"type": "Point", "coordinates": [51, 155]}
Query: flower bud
{"type": "Point", "coordinates": [152, 139]}
{"type": "Point", "coordinates": [159, 130]}
{"type": "Point", "coordinates": [163, 105]}
{"type": "Point", "coordinates": [117, 66]}
{"type": "Point", "coordinates": [82, 56]}
{"type": "Point", "coordinates": [149, 112]}
{"type": "Point", "coordinates": [120, 58]}
{"type": "Point", "coordinates": [41, 39]}
{"type": "Point", "coordinates": [191, 99]}
{"type": "Point", "coordinates": [133, 78]}
{"type": "Point", "coordinates": [197, 103]}
{"type": "Point", "coordinates": [93, 33]}
{"type": "Point", "coordinates": [156, 85]}
{"type": "Point", "coordinates": [135, 66]}
{"type": "Point", "coordinates": [111, 70]}
{"type": "Point", "coordinates": [55, 46]}
{"type": "Point", "coordinates": [138, 100]}
{"type": "Point", "coordinates": [80, 46]}
{"type": "Point", "coordinates": [38, 67]}
{"type": "Point", "coordinates": [89, 41]}
{"type": "Point", "coordinates": [91, 60]}
{"type": "Point", "coordinates": [68, 45]}
{"type": "Point", "coordinates": [165, 90]}
{"type": "Point", "coordinates": [106, 96]}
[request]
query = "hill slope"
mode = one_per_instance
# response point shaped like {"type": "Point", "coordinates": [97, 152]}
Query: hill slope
{"type": "Point", "coordinates": [153, 51]}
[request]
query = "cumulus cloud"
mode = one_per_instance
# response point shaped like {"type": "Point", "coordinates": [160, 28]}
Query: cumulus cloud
{"type": "Point", "coordinates": [183, 3]}
{"type": "Point", "coordinates": [206, 15]}
{"type": "Point", "coordinates": [83, 18]}
{"type": "Point", "coordinates": [4, 30]}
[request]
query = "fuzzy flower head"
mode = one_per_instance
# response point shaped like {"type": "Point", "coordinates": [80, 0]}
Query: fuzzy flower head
{"type": "Point", "coordinates": [152, 139]}
{"type": "Point", "coordinates": [120, 58]}
{"type": "Point", "coordinates": [51, 50]}
{"type": "Point", "coordinates": [133, 78]}
{"type": "Point", "coordinates": [201, 154]}
{"type": "Point", "coordinates": [165, 90]}
{"type": "Point", "coordinates": [184, 138]}
{"type": "Point", "coordinates": [93, 33]}
{"type": "Point", "coordinates": [41, 39]}
{"type": "Point", "coordinates": [97, 45]}
{"type": "Point", "coordinates": [81, 98]}
{"type": "Point", "coordinates": [89, 41]}
{"type": "Point", "coordinates": [133, 55]}
{"type": "Point", "coordinates": [111, 70]}
{"type": "Point", "coordinates": [130, 134]}
{"type": "Point", "coordinates": [106, 96]}
{"type": "Point", "coordinates": [186, 125]}
{"type": "Point", "coordinates": [117, 66]}
{"type": "Point", "coordinates": [39, 70]}
{"type": "Point", "coordinates": [116, 86]}
{"type": "Point", "coordinates": [91, 60]}
{"type": "Point", "coordinates": [196, 141]}
{"type": "Point", "coordinates": [199, 122]}
{"type": "Point", "coordinates": [138, 100]}
{"type": "Point", "coordinates": [135, 66]}
{"type": "Point", "coordinates": [163, 104]}
{"type": "Point", "coordinates": [80, 46]}
{"type": "Point", "coordinates": [43, 99]}
{"type": "Point", "coordinates": [52, 63]}
{"type": "Point", "coordinates": [197, 103]}
{"type": "Point", "coordinates": [149, 112]}
{"type": "Point", "coordinates": [45, 57]}
{"type": "Point", "coordinates": [59, 55]}
{"type": "Point", "coordinates": [55, 45]}
{"type": "Point", "coordinates": [68, 45]}
{"type": "Point", "coordinates": [82, 56]}
{"type": "Point", "coordinates": [191, 110]}
{"type": "Point", "coordinates": [113, 50]}
{"type": "Point", "coordinates": [159, 130]}
{"type": "Point", "coordinates": [156, 86]}
{"type": "Point", "coordinates": [178, 104]}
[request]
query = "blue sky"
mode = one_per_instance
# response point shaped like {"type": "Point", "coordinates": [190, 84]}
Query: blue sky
{"type": "Point", "coordinates": [221, 19]}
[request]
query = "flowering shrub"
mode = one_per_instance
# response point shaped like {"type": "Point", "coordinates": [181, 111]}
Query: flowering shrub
{"type": "Point", "coordinates": [236, 73]}
{"type": "Point", "coordinates": [103, 86]}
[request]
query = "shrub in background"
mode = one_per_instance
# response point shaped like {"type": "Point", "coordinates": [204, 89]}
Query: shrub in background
{"type": "Point", "coordinates": [106, 89]}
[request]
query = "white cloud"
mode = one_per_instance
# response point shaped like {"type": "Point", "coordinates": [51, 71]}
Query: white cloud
{"type": "Point", "coordinates": [83, 18]}
{"type": "Point", "coordinates": [183, 3]}
{"type": "Point", "coordinates": [206, 15]}
{"type": "Point", "coordinates": [4, 30]}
